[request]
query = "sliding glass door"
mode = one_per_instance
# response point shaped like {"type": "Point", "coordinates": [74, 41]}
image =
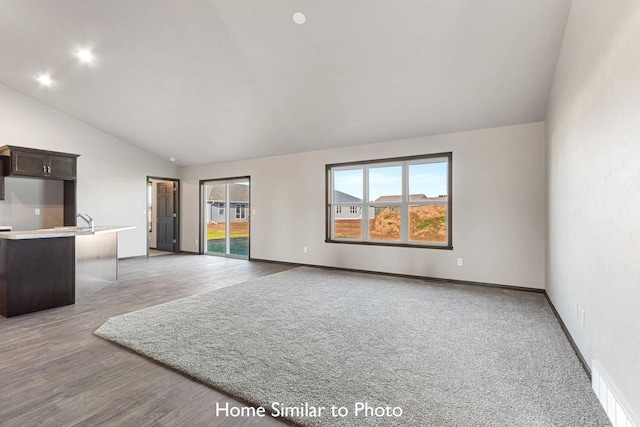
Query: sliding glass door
{"type": "Point", "coordinates": [225, 214]}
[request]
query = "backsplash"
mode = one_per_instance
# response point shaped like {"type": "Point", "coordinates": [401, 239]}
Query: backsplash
{"type": "Point", "coordinates": [24, 196]}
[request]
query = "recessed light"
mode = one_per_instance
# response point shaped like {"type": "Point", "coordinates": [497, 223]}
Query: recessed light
{"type": "Point", "coordinates": [299, 18]}
{"type": "Point", "coordinates": [172, 159]}
{"type": "Point", "coordinates": [85, 55]}
{"type": "Point", "coordinates": [44, 80]}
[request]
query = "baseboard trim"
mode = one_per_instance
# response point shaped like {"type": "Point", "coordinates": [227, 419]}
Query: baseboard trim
{"type": "Point", "coordinates": [585, 365]}
{"type": "Point", "coordinates": [407, 276]}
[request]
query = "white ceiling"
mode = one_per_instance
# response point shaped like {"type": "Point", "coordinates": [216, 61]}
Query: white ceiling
{"type": "Point", "coordinates": [215, 80]}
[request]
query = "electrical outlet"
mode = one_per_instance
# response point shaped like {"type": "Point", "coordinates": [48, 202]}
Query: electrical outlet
{"type": "Point", "coordinates": [196, 241]}
{"type": "Point", "coordinates": [304, 249]}
{"type": "Point", "coordinates": [253, 212]}
{"type": "Point", "coordinates": [37, 211]}
{"type": "Point", "coordinates": [459, 262]}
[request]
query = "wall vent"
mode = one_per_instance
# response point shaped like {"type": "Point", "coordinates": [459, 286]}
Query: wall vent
{"type": "Point", "coordinates": [617, 409]}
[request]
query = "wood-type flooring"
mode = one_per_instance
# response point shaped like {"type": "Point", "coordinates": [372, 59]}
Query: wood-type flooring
{"type": "Point", "coordinates": [55, 372]}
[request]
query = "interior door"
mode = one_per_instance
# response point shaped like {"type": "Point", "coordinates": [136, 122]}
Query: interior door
{"type": "Point", "coordinates": [166, 216]}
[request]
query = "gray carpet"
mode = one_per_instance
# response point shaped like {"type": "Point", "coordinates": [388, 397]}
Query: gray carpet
{"type": "Point", "coordinates": [447, 355]}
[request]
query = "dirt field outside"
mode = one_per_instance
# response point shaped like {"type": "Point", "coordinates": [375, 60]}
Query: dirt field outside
{"type": "Point", "coordinates": [238, 239]}
{"type": "Point", "coordinates": [217, 230]}
{"type": "Point", "coordinates": [426, 224]}
{"type": "Point", "coordinates": [348, 228]}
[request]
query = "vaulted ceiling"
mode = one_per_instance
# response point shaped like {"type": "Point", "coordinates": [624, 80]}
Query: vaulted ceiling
{"type": "Point", "coordinates": [215, 80]}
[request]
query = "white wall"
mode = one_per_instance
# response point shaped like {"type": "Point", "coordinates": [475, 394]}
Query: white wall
{"type": "Point", "coordinates": [593, 149]}
{"type": "Point", "coordinates": [112, 175]}
{"type": "Point", "coordinates": [498, 207]}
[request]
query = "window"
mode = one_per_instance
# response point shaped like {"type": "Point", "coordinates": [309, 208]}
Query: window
{"type": "Point", "coordinates": [241, 211]}
{"type": "Point", "coordinates": [221, 208]}
{"type": "Point", "coordinates": [401, 201]}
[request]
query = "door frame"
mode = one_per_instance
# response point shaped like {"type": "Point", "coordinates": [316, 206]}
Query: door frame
{"type": "Point", "coordinates": [176, 201]}
{"type": "Point", "coordinates": [202, 241]}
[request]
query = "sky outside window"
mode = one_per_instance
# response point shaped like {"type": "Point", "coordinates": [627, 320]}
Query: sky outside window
{"type": "Point", "coordinates": [385, 181]}
{"type": "Point", "coordinates": [349, 182]}
{"type": "Point", "coordinates": [429, 179]}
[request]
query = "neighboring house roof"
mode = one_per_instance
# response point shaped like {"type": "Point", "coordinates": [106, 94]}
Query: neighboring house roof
{"type": "Point", "coordinates": [412, 198]}
{"type": "Point", "coordinates": [238, 193]}
{"type": "Point", "coordinates": [340, 197]}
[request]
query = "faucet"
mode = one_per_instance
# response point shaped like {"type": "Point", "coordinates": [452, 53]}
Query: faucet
{"type": "Point", "coordinates": [88, 220]}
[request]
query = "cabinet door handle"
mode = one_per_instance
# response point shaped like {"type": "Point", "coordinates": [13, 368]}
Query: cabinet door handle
{"type": "Point", "coordinates": [44, 168]}
{"type": "Point", "coordinates": [49, 170]}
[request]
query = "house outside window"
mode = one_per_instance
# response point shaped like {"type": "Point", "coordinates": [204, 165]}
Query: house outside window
{"type": "Point", "coordinates": [397, 201]}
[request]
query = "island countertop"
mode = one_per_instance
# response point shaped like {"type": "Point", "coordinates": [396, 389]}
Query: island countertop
{"type": "Point", "coordinates": [63, 232]}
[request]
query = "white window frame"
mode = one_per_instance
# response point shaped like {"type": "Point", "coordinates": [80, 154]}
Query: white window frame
{"type": "Point", "coordinates": [404, 205]}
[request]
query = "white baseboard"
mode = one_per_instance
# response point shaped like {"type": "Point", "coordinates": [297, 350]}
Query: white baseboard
{"type": "Point", "coordinates": [616, 407]}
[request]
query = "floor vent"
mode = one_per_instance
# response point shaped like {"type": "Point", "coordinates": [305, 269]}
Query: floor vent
{"type": "Point", "coordinates": [615, 406]}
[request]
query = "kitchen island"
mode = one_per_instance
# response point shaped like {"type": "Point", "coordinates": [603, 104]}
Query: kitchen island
{"type": "Point", "coordinates": [39, 268]}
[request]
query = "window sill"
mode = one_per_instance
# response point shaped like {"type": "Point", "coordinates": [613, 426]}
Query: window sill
{"type": "Point", "coordinates": [399, 245]}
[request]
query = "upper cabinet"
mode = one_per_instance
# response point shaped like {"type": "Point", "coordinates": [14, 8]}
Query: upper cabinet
{"type": "Point", "coordinates": [29, 162]}
{"type": "Point", "coordinates": [33, 163]}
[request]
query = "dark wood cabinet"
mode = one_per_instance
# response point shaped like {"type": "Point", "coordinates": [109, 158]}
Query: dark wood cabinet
{"type": "Point", "coordinates": [33, 163]}
{"type": "Point", "coordinates": [4, 168]}
{"type": "Point", "coordinates": [36, 274]}
{"type": "Point", "coordinates": [28, 162]}
{"type": "Point", "coordinates": [62, 167]}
